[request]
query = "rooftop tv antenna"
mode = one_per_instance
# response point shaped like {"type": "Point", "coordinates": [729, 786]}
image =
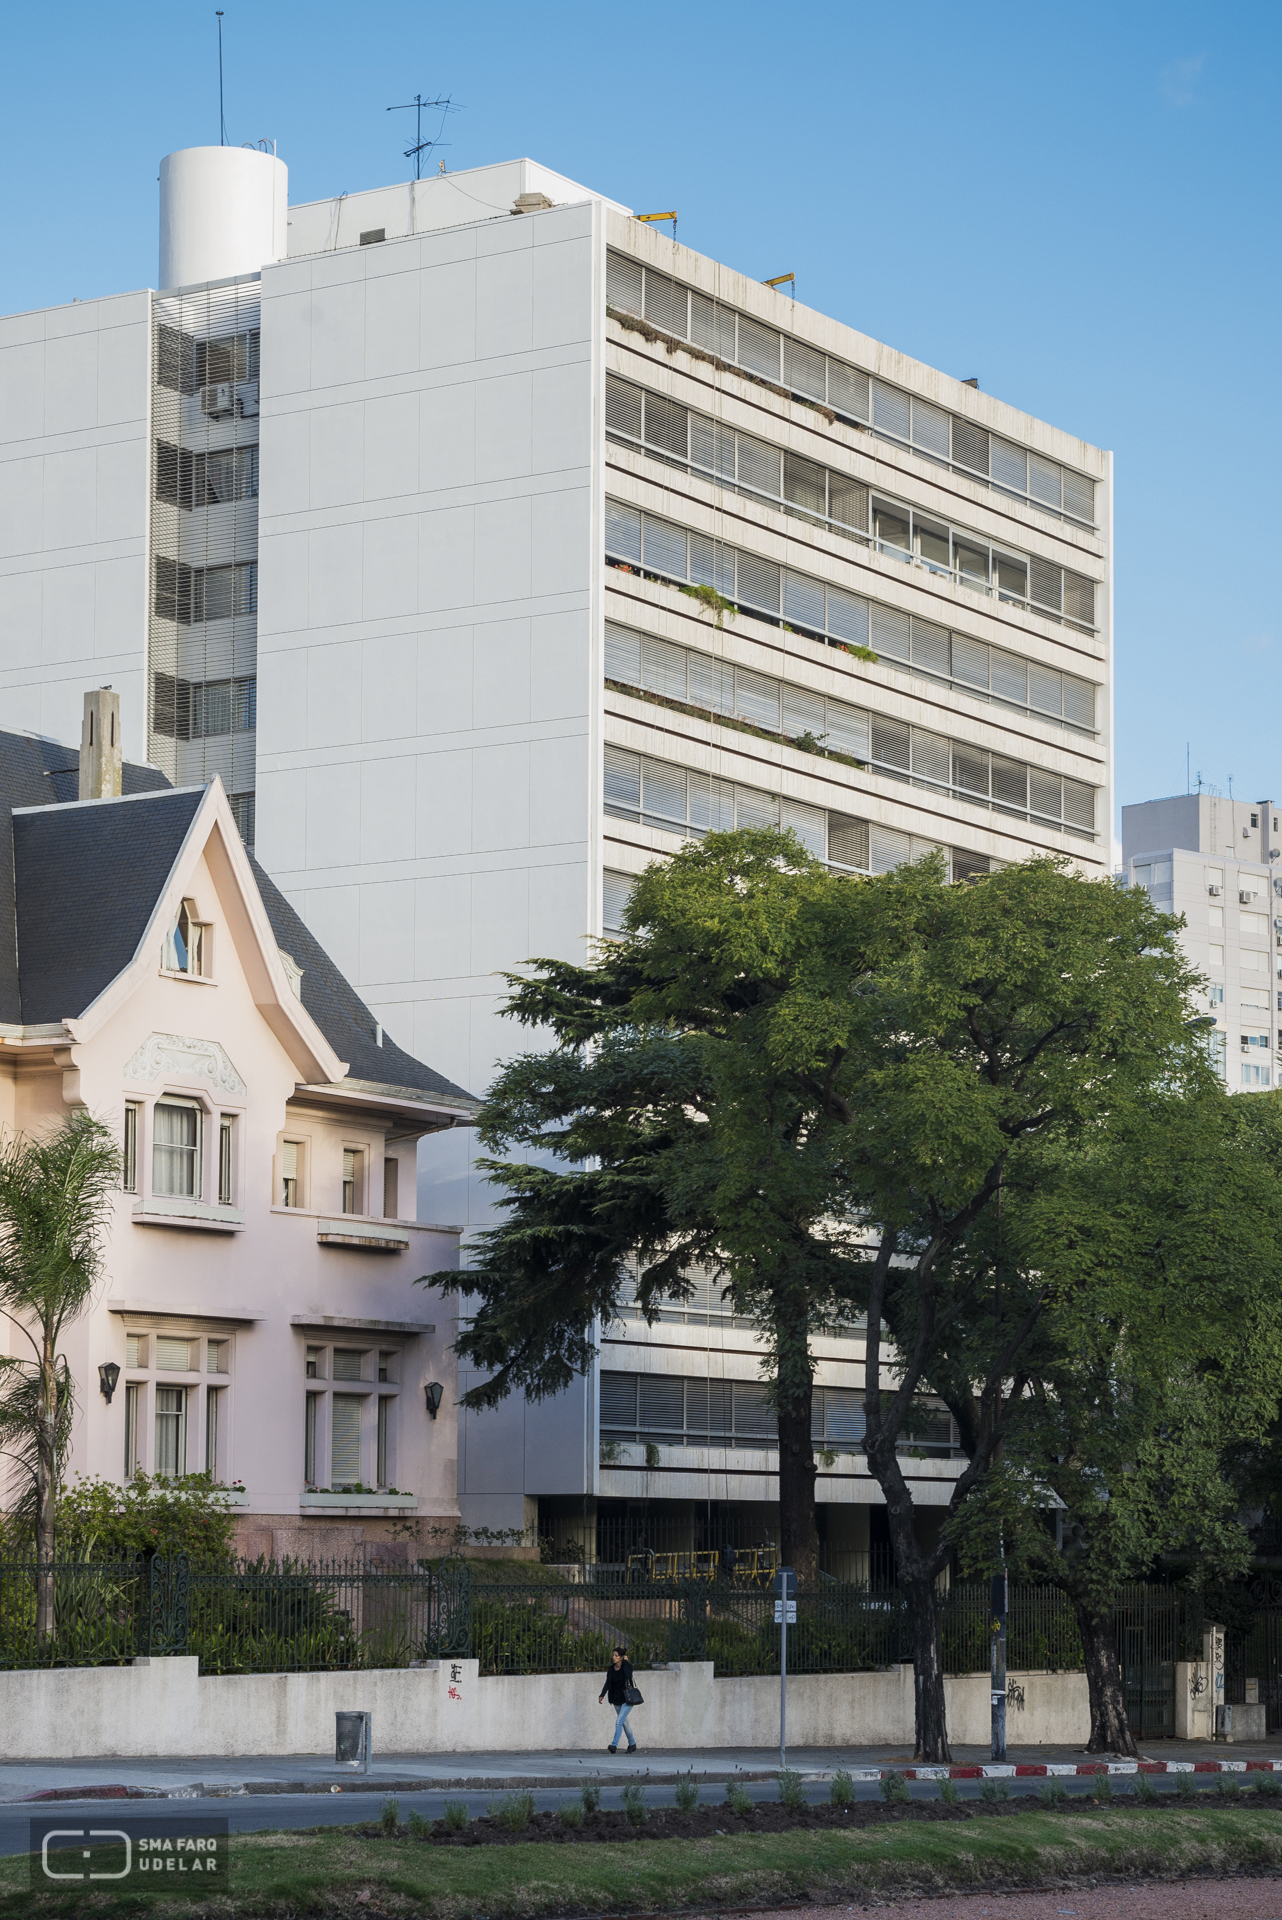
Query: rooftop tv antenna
{"type": "Point", "coordinates": [416, 106]}
{"type": "Point", "coordinates": [222, 118]}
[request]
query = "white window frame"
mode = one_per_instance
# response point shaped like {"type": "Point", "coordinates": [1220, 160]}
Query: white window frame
{"type": "Point", "coordinates": [379, 1438]}
{"type": "Point", "coordinates": [179, 950]}
{"type": "Point", "coordinates": [144, 1379]}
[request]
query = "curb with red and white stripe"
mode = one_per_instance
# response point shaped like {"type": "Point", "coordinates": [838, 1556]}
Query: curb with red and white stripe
{"type": "Point", "coordinates": [1062, 1770]}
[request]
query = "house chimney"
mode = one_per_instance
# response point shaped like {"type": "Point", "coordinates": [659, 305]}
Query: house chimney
{"type": "Point", "coordinates": [100, 746]}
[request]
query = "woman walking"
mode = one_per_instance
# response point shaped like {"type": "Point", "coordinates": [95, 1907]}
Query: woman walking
{"type": "Point", "coordinates": [618, 1686]}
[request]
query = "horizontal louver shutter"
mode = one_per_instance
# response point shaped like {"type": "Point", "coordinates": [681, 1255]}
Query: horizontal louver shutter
{"type": "Point", "coordinates": [1079, 701]}
{"type": "Point", "coordinates": [665, 425]}
{"type": "Point", "coordinates": [753, 809]}
{"type": "Point", "coordinates": [970, 769]}
{"type": "Point", "coordinates": [1044, 689]}
{"type": "Point", "coordinates": [848, 842]}
{"type": "Point", "coordinates": [804, 370]}
{"type": "Point", "coordinates": [891, 410]}
{"type": "Point", "coordinates": [619, 1401]}
{"type": "Point", "coordinates": [1079, 496]}
{"type": "Point", "coordinates": [664, 547]}
{"type": "Point", "coordinates": [891, 633]}
{"type": "Point", "coordinates": [173, 1355]}
{"type": "Point", "coordinates": [970, 445]}
{"type": "Point", "coordinates": [847, 390]}
{"type": "Point", "coordinates": [1079, 804]}
{"type": "Point", "coordinates": [803, 601]}
{"type": "Point", "coordinates": [756, 699]}
{"type": "Point", "coordinates": [887, 849]}
{"type": "Point", "coordinates": [1009, 465]}
{"type": "Point", "coordinates": [712, 564]}
{"type": "Point", "coordinates": [753, 1418]}
{"type": "Point", "coordinates": [622, 779]}
{"type": "Point", "coordinates": [622, 654]}
{"type": "Point", "coordinates": [810, 824]}
{"type": "Point", "coordinates": [758, 348]}
{"type": "Point", "coordinates": [1009, 782]}
{"type": "Point", "coordinates": [720, 806]}
{"type": "Point", "coordinates": [891, 745]}
{"type": "Point", "coordinates": [805, 485]}
{"type": "Point", "coordinates": [711, 683]}
{"type": "Point", "coordinates": [847, 502]}
{"type": "Point", "coordinates": [622, 407]}
{"type": "Point", "coordinates": [844, 1421]}
{"type": "Point", "coordinates": [759, 465]}
{"type": "Point", "coordinates": [930, 428]}
{"type": "Point", "coordinates": [930, 648]}
{"type": "Point", "coordinates": [660, 1403]}
{"type": "Point", "coordinates": [1045, 584]}
{"type": "Point", "coordinates": [1008, 676]}
{"type": "Point", "coordinates": [712, 326]}
{"type": "Point", "coordinates": [720, 1406]}
{"type": "Point", "coordinates": [757, 582]}
{"type": "Point", "coordinates": [663, 793]}
{"type": "Point", "coordinates": [970, 661]}
{"type": "Point", "coordinates": [803, 712]}
{"type": "Point", "coordinates": [931, 759]}
{"type": "Point", "coordinates": [848, 616]}
{"type": "Point", "coordinates": [1045, 796]}
{"type": "Point", "coordinates": [1079, 598]}
{"type": "Point", "coordinates": [616, 890]}
{"type": "Point", "coordinates": [847, 729]}
{"type": "Point", "coordinates": [345, 1440]}
{"type": "Point", "coordinates": [1043, 481]}
{"type": "Point", "coordinates": [623, 531]}
{"type": "Point", "coordinates": [666, 303]}
{"type": "Point", "coordinates": [663, 668]}
{"type": "Point", "coordinates": [622, 283]}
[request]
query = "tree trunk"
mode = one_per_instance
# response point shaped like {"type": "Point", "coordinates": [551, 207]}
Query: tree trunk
{"type": "Point", "coordinates": [922, 1596]}
{"type": "Point", "coordinates": [46, 1491]}
{"type": "Point", "coordinates": [1110, 1729]}
{"type": "Point", "coordinates": [798, 1525]}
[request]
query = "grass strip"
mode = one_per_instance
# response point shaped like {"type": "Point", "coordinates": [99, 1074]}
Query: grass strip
{"type": "Point", "coordinates": [278, 1875]}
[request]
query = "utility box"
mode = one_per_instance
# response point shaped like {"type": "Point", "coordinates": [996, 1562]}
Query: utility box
{"type": "Point", "coordinates": [352, 1740]}
{"type": "Point", "coordinates": [1244, 1720]}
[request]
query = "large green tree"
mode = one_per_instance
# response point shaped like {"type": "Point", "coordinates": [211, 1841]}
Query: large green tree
{"type": "Point", "coordinates": [55, 1195]}
{"type": "Point", "coordinates": [821, 1088]}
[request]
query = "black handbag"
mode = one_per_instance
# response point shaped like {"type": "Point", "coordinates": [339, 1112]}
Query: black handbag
{"type": "Point", "coordinates": [633, 1697]}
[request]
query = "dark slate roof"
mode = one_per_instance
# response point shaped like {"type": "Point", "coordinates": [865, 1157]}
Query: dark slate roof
{"type": "Point", "coordinates": [87, 879]}
{"type": "Point", "coordinates": [37, 773]}
{"type": "Point", "coordinates": [343, 1017]}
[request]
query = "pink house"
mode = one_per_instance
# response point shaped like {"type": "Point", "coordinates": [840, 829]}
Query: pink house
{"type": "Point", "coordinates": [260, 1317]}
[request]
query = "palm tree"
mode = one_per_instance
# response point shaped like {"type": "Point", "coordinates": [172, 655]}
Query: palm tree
{"type": "Point", "coordinates": [55, 1195]}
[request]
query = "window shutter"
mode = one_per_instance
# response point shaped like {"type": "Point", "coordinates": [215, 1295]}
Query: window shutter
{"type": "Point", "coordinates": [712, 326]}
{"type": "Point", "coordinates": [1008, 676]}
{"type": "Point", "coordinates": [622, 407]}
{"type": "Point", "coordinates": [803, 601]}
{"type": "Point", "coordinates": [1009, 782]}
{"type": "Point", "coordinates": [622, 654]}
{"type": "Point", "coordinates": [660, 1403]}
{"type": "Point", "coordinates": [887, 849]}
{"type": "Point", "coordinates": [1010, 465]}
{"type": "Point", "coordinates": [720, 1401]}
{"type": "Point", "coordinates": [970, 769]}
{"type": "Point", "coordinates": [622, 779]}
{"type": "Point", "coordinates": [753, 809]}
{"type": "Point", "coordinates": [1044, 481]}
{"type": "Point", "coordinates": [663, 547]}
{"type": "Point", "coordinates": [810, 825]}
{"type": "Point", "coordinates": [1044, 684]}
{"type": "Point", "coordinates": [752, 1416]}
{"type": "Point", "coordinates": [891, 410]}
{"type": "Point", "coordinates": [663, 668]}
{"type": "Point", "coordinates": [720, 806]}
{"type": "Point", "coordinates": [970, 445]}
{"type": "Point", "coordinates": [1045, 584]}
{"type": "Point", "coordinates": [757, 583]}
{"type": "Point", "coordinates": [173, 1355]}
{"type": "Point", "coordinates": [848, 842]}
{"type": "Point", "coordinates": [848, 616]}
{"type": "Point", "coordinates": [616, 890]}
{"type": "Point", "coordinates": [804, 370]}
{"type": "Point", "coordinates": [623, 532]}
{"type": "Point", "coordinates": [844, 1421]}
{"type": "Point", "coordinates": [805, 484]}
{"type": "Point", "coordinates": [847, 728]}
{"type": "Point", "coordinates": [663, 792]}
{"type": "Point", "coordinates": [712, 564]}
{"type": "Point", "coordinates": [970, 661]}
{"type": "Point", "coordinates": [758, 465]}
{"type": "Point", "coordinates": [666, 303]}
{"type": "Point", "coordinates": [930, 757]}
{"type": "Point", "coordinates": [891, 743]}
{"type": "Point", "coordinates": [1079, 496]}
{"type": "Point", "coordinates": [1079, 701]}
{"type": "Point", "coordinates": [930, 648]}
{"type": "Point", "coordinates": [847, 390]}
{"type": "Point", "coordinates": [930, 428]}
{"type": "Point", "coordinates": [666, 425]}
{"type": "Point", "coordinates": [891, 634]}
{"type": "Point", "coordinates": [758, 348]}
{"type": "Point", "coordinates": [803, 712]}
{"type": "Point", "coordinates": [756, 699]}
{"type": "Point", "coordinates": [345, 1439]}
{"type": "Point", "coordinates": [1044, 793]}
{"type": "Point", "coordinates": [711, 683]}
{"type": "Point", "coordinates": [847, 502]}
{"type": "Point", "coordinates": [1079, 598]}
{"type": "Point", "coordinates": [1079, 804]}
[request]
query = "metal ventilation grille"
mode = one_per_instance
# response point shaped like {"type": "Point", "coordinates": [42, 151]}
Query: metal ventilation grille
{"type": "Point", "coordinates": [203, 592]}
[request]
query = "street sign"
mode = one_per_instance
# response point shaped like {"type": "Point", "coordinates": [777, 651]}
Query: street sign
{"type": "Point", "coordinates": [785, 1584]}
{"type": "Point", "coordinates": [790, 1616]}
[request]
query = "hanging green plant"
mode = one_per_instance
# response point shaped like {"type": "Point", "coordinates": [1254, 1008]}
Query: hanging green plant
{"type": "Point", "coordinates": [860, 653]}
{"type": "Point", "coordinates": [715, 603]}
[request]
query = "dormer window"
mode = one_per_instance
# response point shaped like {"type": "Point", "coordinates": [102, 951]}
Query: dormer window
{"type": "Point", "coordinates": [187, 944]}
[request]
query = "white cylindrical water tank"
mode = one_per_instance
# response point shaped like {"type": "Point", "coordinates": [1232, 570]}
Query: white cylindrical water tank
{"type": "Point", "coordinates": [223, 212]}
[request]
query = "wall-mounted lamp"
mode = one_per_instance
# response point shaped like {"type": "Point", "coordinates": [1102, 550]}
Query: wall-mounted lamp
{"type": "Point", "coordinates": [432, 1395]}
{"type": "Point", "coordinates": [108, 1374]}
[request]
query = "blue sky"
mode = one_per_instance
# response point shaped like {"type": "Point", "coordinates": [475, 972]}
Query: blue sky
{"type": "Point", "coordinates": [1077, 206]}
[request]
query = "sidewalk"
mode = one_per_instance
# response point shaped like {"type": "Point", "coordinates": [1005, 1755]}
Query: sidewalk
{"type": "Point", "coordinates": [199, 1777]}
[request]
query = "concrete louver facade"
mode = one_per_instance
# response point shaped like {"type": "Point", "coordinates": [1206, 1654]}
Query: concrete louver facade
{"type": "Point", "coordinates": [477, 435]}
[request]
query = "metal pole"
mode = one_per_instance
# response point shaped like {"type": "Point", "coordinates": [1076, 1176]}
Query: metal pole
{"type": "Point", "coordinates": [783, 1689]}
{"type": "Point", "coordinates": [222, 119]}
{"type": "Point", "coordinates": [1000, 1600]}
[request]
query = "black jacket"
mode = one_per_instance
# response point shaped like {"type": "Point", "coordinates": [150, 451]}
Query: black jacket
{"type": "Point", "coordinates": [617, 1681]}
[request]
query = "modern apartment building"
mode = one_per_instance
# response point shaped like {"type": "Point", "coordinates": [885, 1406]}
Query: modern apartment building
{"type": "Point", "coordinates": [490, 545]}
{"type": "Point", "coordinates": [1216, 862]}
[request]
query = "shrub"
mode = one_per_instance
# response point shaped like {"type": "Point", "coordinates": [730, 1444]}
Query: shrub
{"type": "Point", "coordinates": [1228, 1784]}
{"type": "Point", "coordinates": [1267, 1782]}
{"type": "Point", "coordinates": [791, 1791]}
{"type": "Point", "coordinates": [570, 1813]}
{"type": "Point", "coordinates": [1144, 1788]}
{"type": "Point", "coordinates": [738, 1799]}
{"type": "Point", "coordinates": [1102, 1788]}
{"type": "Point", "coordinates": [389, 1817]}
{"type": "Point", "coordinates": [99, 1520]}
{"type": "Point", "coordinates": [513, 1810]}
{"type": "Point", "coordinates": [687, 1792]}
{"type": "Point", "coordinates": [842, 1790]}
{"type": "Point", "coordinates": [894, 1788]}
{"type": "Point", "coordinates": [634, 1804]}
{"type": "Point", "coordinates": [456, 1816]}
{"type": "Point", "coordinates": [1052, 1793]}
{"type": "Point", "coordinates": [948, 1790]}
{"type": "Point", "coordinates": [1185, 1785]}
{"type": "Point", "coordinates": [590, 1795]}
{"type": "Point", "coordinates": [994, 1790]}
{"type": "Point", "coordinates": [420, 1825]}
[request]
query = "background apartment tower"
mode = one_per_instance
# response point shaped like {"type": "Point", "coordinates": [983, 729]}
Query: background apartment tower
{"type": "Point", "coordinates": [1216, 862]}
{"type": "Point", "coordinates": [398, 532]}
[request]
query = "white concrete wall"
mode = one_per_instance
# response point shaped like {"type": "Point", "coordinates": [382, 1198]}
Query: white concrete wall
{"type": "Point", "coordinates": [74, 479]}
{"type": "Point", "coordinates": [428, 679]}
{"type": "Point", "coordinates": [163, 1708]}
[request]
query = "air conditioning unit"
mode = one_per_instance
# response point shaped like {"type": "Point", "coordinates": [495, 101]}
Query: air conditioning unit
{"type": "Point", "coordinates": [1214, 891]}
{"type": "Point", "coordinates": [247, 400]}
{"type": "Point", "coordinates": [218, 400]}
{"type": "Point", "coordinates": [1247, 894]}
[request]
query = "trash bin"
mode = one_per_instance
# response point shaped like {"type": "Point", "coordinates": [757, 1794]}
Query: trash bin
{"type": "Point", "coordinates": [352, 1740]}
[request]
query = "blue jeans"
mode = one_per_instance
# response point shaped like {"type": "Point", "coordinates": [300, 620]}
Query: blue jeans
{"type": "Point", "coordinates": [621, 1726]}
